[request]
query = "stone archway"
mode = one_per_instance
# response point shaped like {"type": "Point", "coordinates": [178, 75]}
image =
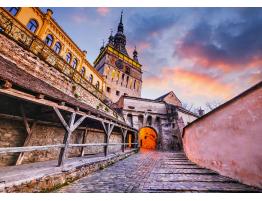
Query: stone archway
{"type": "Point", "coordinates": [148, 138]}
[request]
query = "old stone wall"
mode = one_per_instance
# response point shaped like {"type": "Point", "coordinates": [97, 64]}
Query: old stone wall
{"type": "Point", "coordinates": [228, 140]}
{"type": "Point", "coordinates": [13, 134]}
{"type": "Point", "coordinates": [30, 63]}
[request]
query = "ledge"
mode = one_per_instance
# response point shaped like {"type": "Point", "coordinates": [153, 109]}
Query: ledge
{"type": "Point", "coordinates": [46, 176]}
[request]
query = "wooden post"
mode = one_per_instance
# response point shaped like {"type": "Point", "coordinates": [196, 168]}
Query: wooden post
{"type": "Point", "coordinates": [29, 131]}
{"type": "Point", "coordinates": [108, 128]}
{"type": "Point", "coordinates": [69, 129]}
{"type": "Point", "coordinates": [124, 132]}
{"type": "Point", "coordinates": [83, 142]}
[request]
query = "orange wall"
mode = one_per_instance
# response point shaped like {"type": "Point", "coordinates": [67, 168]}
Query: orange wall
{"type": "Point", "coordinates": [229, 140]}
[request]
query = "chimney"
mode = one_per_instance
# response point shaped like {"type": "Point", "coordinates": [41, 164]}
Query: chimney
{"type": "Point", "coordinates": [84, 52]}
{"type": "Point", "coordinates": [49, 12]}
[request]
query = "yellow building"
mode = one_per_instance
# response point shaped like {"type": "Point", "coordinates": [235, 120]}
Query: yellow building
{"type": "Point", "coordinates": [44, 27]}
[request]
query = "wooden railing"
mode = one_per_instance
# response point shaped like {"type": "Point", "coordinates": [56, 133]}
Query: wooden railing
{"type": "Point", "coordinates": [28, 40]}
{"type": "Point", "coordinates": [6, 150]}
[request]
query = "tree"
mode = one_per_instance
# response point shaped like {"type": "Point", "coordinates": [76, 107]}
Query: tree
{"type": "Point", "coordinates": [212, 105]}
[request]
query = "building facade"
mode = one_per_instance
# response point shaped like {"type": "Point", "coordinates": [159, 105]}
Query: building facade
{"type": "Point", "coordinates": [122, 73]}
{"type": "Point", "coordinates": [164, 116]}
{"type": "Point", "coordinates": [44, 27]}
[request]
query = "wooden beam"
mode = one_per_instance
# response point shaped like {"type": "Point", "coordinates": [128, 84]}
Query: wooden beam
{"type": "Point", "coordinates": [61, 118]}
{"type": "Point", "coordinates": [40, 96]}
{"type": "Point", "coordinates": [46, 147]}
{"type": "Point", "coordinates": [67, 135]}
{"type": "Point", "coordinates": [7, 84]}
{"type": "Point", "coordinates": [124, 132]}
{"type": "Point", "coordinates": [29, 131]}
{"type": "Point", "coordinates": [78, 122]}
{"type": "Point", "coordinates": [31, 98]}
{"type": "Point", "coordinates": [83, 142]}
{"type": "Point", "coordinates": [69, 129]}
{"type": "Point", "coordinates": [28, 148]}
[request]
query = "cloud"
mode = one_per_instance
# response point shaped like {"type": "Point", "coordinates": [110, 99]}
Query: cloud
{"type": "Point", "coordinates": [231, 45]}
{"type": "Point", "coordinates": [103, 11]}
{"type": "Point", "coordinates": [192, 84]}
{"type": "Point", "coordinates": [146, 27]}
{"type": "Point", "coordinates": [79, 18]}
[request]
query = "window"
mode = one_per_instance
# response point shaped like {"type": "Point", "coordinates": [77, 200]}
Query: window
{"type": "Point", "coordinates": [125, 94]}
{"type": "Point", "coordinates": [91, 78]}
{"type": "Point", "coordinates": [108, 89]}
{"type": "Point", "coordinates": [32, 25]}
{"type": "Point", "coordinates": [13, 10]}
{"type": "Point", "coordinates": [74, 64]}
{"type": "Point", "coordinates": [127, 79]}
{"type": "Point", "coordinates": [97, 84]}
{"type": "Point", "coordinates": [68, 57]}
{"type": "Point", "coordinates": [83, 71]}
{"type": "Point", "coordinates": [49, 40]}
{"type": "Point", "coordinates": [57, 47]}
{"type": "Point", "coordinates": [135, 84]}
{"type": "Point", "coordinates": [127, 70]}
{"type": "Point", "coordinates": [117, 93]}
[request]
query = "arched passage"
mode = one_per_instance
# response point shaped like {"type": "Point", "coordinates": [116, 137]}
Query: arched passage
{"type": "Point", "coordinates": [148, 138]}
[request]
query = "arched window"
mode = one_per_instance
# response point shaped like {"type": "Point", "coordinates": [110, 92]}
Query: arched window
{"type": "Point", "coordinates": [57, 47]}
{"type": "Point", "coordinates": [135, 84]}
{"type": "Point", "coordinates": [68, 57]}
{"type": "Point", "coordinates": [49, 40]}
{"type": "Point", "coordinates": [97, 84]}
{"type": "Point", "coordinates": [83, 71]}
{"type": "Point", "coordinates": [74, 64]}
{"type": "Point", "coordinates": [13, 10]}
{"type": "Point", "coordinates": [91, 78]}
{"type": "Point", "coordinates": [32, 25]}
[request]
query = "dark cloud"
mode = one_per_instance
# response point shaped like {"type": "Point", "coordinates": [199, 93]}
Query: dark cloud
{"type": "Point", "coordinates": [235, 42]}
{"type": "Point", "coordinates": [145, 27]}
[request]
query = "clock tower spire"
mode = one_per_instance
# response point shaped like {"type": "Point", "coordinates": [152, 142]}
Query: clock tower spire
{"type": "Point", "coordinates": [122, 73]}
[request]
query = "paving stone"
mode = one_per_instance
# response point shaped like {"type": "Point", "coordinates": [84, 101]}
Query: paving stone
{"type": "Point", "coordinates": [155, 171]}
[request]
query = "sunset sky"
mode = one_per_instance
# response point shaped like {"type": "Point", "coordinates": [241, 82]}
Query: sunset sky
{"type": "Point", "coordinates": [202, 54]}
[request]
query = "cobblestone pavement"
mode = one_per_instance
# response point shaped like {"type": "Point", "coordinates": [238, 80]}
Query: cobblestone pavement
{"type": "Point", "coordinates": [154, 171]}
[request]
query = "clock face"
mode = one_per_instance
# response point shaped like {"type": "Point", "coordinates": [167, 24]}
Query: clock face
{"type": "Point", "coordinates": [119, 64]}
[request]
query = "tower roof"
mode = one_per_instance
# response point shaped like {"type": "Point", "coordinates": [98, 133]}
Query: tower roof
{"type": "Point", "coordinates": [120, 38]}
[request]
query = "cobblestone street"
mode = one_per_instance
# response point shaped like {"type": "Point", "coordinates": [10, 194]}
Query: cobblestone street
{"type": "Point", "coordinates": [153, 171]}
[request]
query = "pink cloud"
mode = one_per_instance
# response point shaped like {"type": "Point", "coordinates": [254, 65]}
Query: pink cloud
{"type": "Point", "coordinates": [191, 83]}
{"type": "Point", "coordinates": [199, 55]}
{"type": "Point", "coordinates": [103, 11]}
{"type": "Point", "coordinates": [79, 18]}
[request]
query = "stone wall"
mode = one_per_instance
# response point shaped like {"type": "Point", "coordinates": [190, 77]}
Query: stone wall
{"type": "Point", "coordinates": [228, 140]}
{"type": "Point", "coordinates": [30, 63]}
{"type": "Point", "coordinates": [13, 134]}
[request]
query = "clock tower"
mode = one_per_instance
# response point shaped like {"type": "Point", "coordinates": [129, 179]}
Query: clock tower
{"type": "Point", "coordinates": [122, 73]}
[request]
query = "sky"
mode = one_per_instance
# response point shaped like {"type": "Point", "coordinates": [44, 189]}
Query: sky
{"type": "Point", "coordinates": [202, 54]}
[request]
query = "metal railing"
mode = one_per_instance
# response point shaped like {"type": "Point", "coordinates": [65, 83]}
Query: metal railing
{"type": "Point", "coordinates": [28, 40]}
